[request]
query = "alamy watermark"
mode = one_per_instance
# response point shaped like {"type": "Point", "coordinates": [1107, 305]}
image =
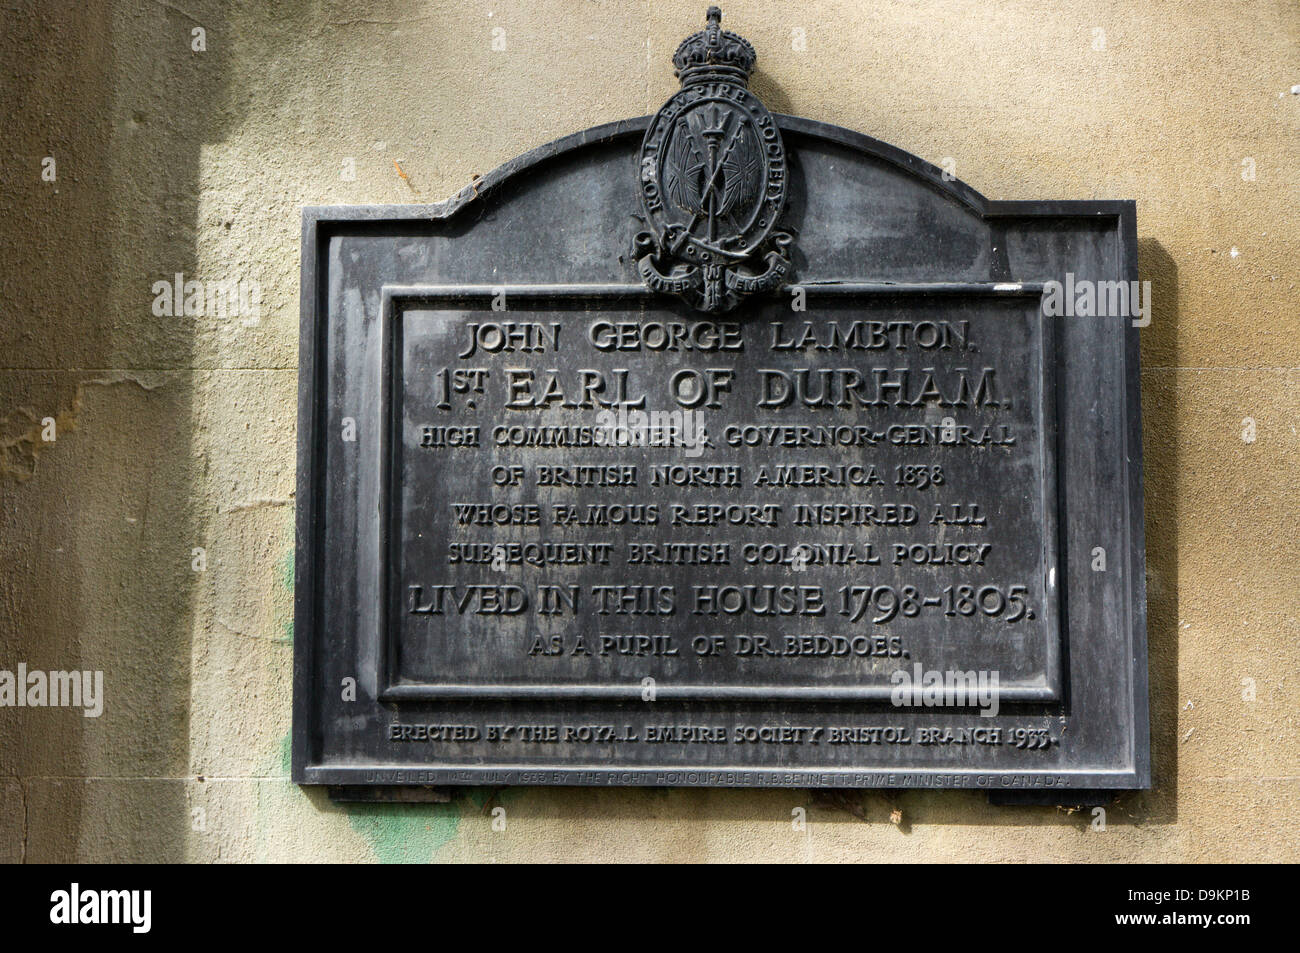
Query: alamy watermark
{"type": "Point", "coordinates": [948, 689]}
{"type": "Point", "coordinates": [224, 298]}
{"type": "Point", "coordinates": [39, 689]}
{"type": "Point", "coordinates": [629, 427]}
{"type": "Point", "coordinates": [75, 906]}
{"type": "Point", "coordinates": [1085, 298]}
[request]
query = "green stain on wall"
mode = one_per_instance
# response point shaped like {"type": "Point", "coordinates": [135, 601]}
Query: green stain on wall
{"type": "Point", "coordinates": [397, 833]}
{"type": "Point", "coordinates": [413, 833]}
{"type": "Point", "coordinates": [285, 569]}
{"type": "Point", "coordinates": [405, 833]}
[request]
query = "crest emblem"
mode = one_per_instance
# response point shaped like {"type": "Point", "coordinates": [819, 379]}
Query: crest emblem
{"type": "Point", "coordinates": [713, 180]}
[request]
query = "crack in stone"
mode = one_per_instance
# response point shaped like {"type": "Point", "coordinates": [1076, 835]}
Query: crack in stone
{"type": "Point", "coordinates": [19, 455]}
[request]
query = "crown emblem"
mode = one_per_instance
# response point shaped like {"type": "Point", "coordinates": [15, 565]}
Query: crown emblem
{"type": "Point", "coordinates": [713, 181]}
{"type": "Point", "coordinates": [714, 55]}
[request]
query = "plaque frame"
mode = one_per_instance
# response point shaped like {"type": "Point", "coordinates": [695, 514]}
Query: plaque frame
{"type": "Point", "coordinates": [1130, 764]}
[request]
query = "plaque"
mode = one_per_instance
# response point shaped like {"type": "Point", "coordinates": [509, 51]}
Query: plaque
{"type": "Point", "coordinates": [721, 448]}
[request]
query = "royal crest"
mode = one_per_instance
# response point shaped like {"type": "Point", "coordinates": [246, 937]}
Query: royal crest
{"type": "Point", "coordinates": [713, 180]}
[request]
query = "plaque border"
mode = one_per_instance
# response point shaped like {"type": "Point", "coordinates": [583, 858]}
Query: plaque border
{"type": "Point", "coordinates": [1133, 748]}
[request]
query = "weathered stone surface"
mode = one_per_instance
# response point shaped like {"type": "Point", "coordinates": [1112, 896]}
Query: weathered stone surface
{"type": "Point", "coordinates": [171, 160]}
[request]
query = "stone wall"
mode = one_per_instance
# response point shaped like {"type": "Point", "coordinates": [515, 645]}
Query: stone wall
{"type": "Point", "coordinates": [152, 538]}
